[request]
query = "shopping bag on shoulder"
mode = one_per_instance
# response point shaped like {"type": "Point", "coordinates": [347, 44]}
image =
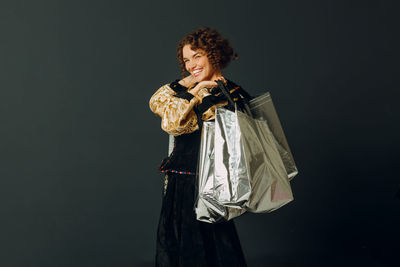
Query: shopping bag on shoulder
{"type": "Point", "coordinates": [249, 172]}
{"type": "Point", "coordinates": [230, 178]}
{"type": "Point", "coordinates": [242, 166]}
{"type": "Point", "coordinates": [248, 166]}
{"type": "Point", "coordinates": [270, 187]}
{"type": "Point", "coordinates": [207, 208]}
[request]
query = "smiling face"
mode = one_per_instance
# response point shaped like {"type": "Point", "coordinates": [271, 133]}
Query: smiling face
{"type": "Point", "coordinates": [198, 65]}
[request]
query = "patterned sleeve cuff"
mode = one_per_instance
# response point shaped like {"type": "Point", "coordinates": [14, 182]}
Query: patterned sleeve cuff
{"type": "Point", "coordinates": [185, 95]}
{"type": "Point", "coordinates": [180, 90]}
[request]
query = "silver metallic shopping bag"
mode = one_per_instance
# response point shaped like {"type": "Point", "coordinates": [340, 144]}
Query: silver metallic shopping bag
{"type": "Point", "coordinates": [231, 178]}
{"type": "Point", "coordinates": [207, 208]}
{"type": "Point", "coordinates": [270, 187]}
{"type": "Point", "coordinates": [249, 171]}
{"type": "Point", "coordinates": [245, 162]}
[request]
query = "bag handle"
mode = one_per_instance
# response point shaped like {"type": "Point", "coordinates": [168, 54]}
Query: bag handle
{"type": "Point", "coordinates": [225, 91]}
{"type": "Point", "coordinates": [221, 86]}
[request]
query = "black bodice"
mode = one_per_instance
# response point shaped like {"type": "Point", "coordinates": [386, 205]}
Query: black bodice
{"type": "Point", "coordinates": [185, 154]}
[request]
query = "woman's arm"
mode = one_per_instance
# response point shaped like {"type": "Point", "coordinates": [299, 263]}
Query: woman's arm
{"type": "Point", "coordinates": [177, 114]}
{"type": "Point", "coordinates": [175, 105]}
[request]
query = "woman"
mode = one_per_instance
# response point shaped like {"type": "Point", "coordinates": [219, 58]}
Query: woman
{"type": "Point", "coordinates": [183, 105]}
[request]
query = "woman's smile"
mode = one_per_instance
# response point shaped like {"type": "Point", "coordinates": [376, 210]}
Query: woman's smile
{"type": "Point", "coordinates": [196, 72]}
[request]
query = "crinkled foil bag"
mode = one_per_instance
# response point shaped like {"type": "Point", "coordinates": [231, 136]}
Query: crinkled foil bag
{"type": "Point", "coordinates": [245, 163]}
{"type": "Point", "coordinates": [207, 208]}
{"type": "Point", "coordinates": [270, 187]}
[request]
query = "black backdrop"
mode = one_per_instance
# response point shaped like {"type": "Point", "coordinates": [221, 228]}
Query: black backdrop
{"type": "Point", "coordinates": [80, 147]}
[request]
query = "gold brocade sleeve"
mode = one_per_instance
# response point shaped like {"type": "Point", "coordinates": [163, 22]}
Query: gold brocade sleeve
{"type": "Point", "coordinates": [177, 114]}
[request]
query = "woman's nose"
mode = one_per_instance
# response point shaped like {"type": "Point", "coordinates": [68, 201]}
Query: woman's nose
{"type": "Point", "coordinates": [192, 65]}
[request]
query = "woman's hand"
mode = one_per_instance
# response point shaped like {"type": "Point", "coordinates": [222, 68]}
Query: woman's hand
{"type": "Point", "coordinates": [201, 85]}
{"type": "Point", "coordinates": [205, 84]}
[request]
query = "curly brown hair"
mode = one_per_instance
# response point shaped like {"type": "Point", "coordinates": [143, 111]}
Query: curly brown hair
{"type": "Point", "coordinates": [218, 48]}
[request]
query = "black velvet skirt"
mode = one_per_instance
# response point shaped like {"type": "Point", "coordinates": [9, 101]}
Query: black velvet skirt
{"type": "Point", "coordinates": [184, 241]}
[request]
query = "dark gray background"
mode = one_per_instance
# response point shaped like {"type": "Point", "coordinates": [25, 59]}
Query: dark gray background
{"type": "Point", "coordinates": [80, 148]}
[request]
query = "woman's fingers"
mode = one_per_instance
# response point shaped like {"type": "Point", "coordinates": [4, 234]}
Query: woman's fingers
{"type": "Point", "coordinates": [201, 85]}
{"type": "Point", "coordinates": [206, 84]}
{"type": "Point", "coordinates": [221, 78]}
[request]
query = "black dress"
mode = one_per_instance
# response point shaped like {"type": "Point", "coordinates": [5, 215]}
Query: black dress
{"type": "Point", "coordinates": [182, 240]}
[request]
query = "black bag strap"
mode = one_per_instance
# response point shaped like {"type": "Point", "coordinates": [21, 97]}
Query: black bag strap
{"type": "Point", "coordinates": [221, 86]}
{"type": "Point", "coordinates": [245, 97]}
